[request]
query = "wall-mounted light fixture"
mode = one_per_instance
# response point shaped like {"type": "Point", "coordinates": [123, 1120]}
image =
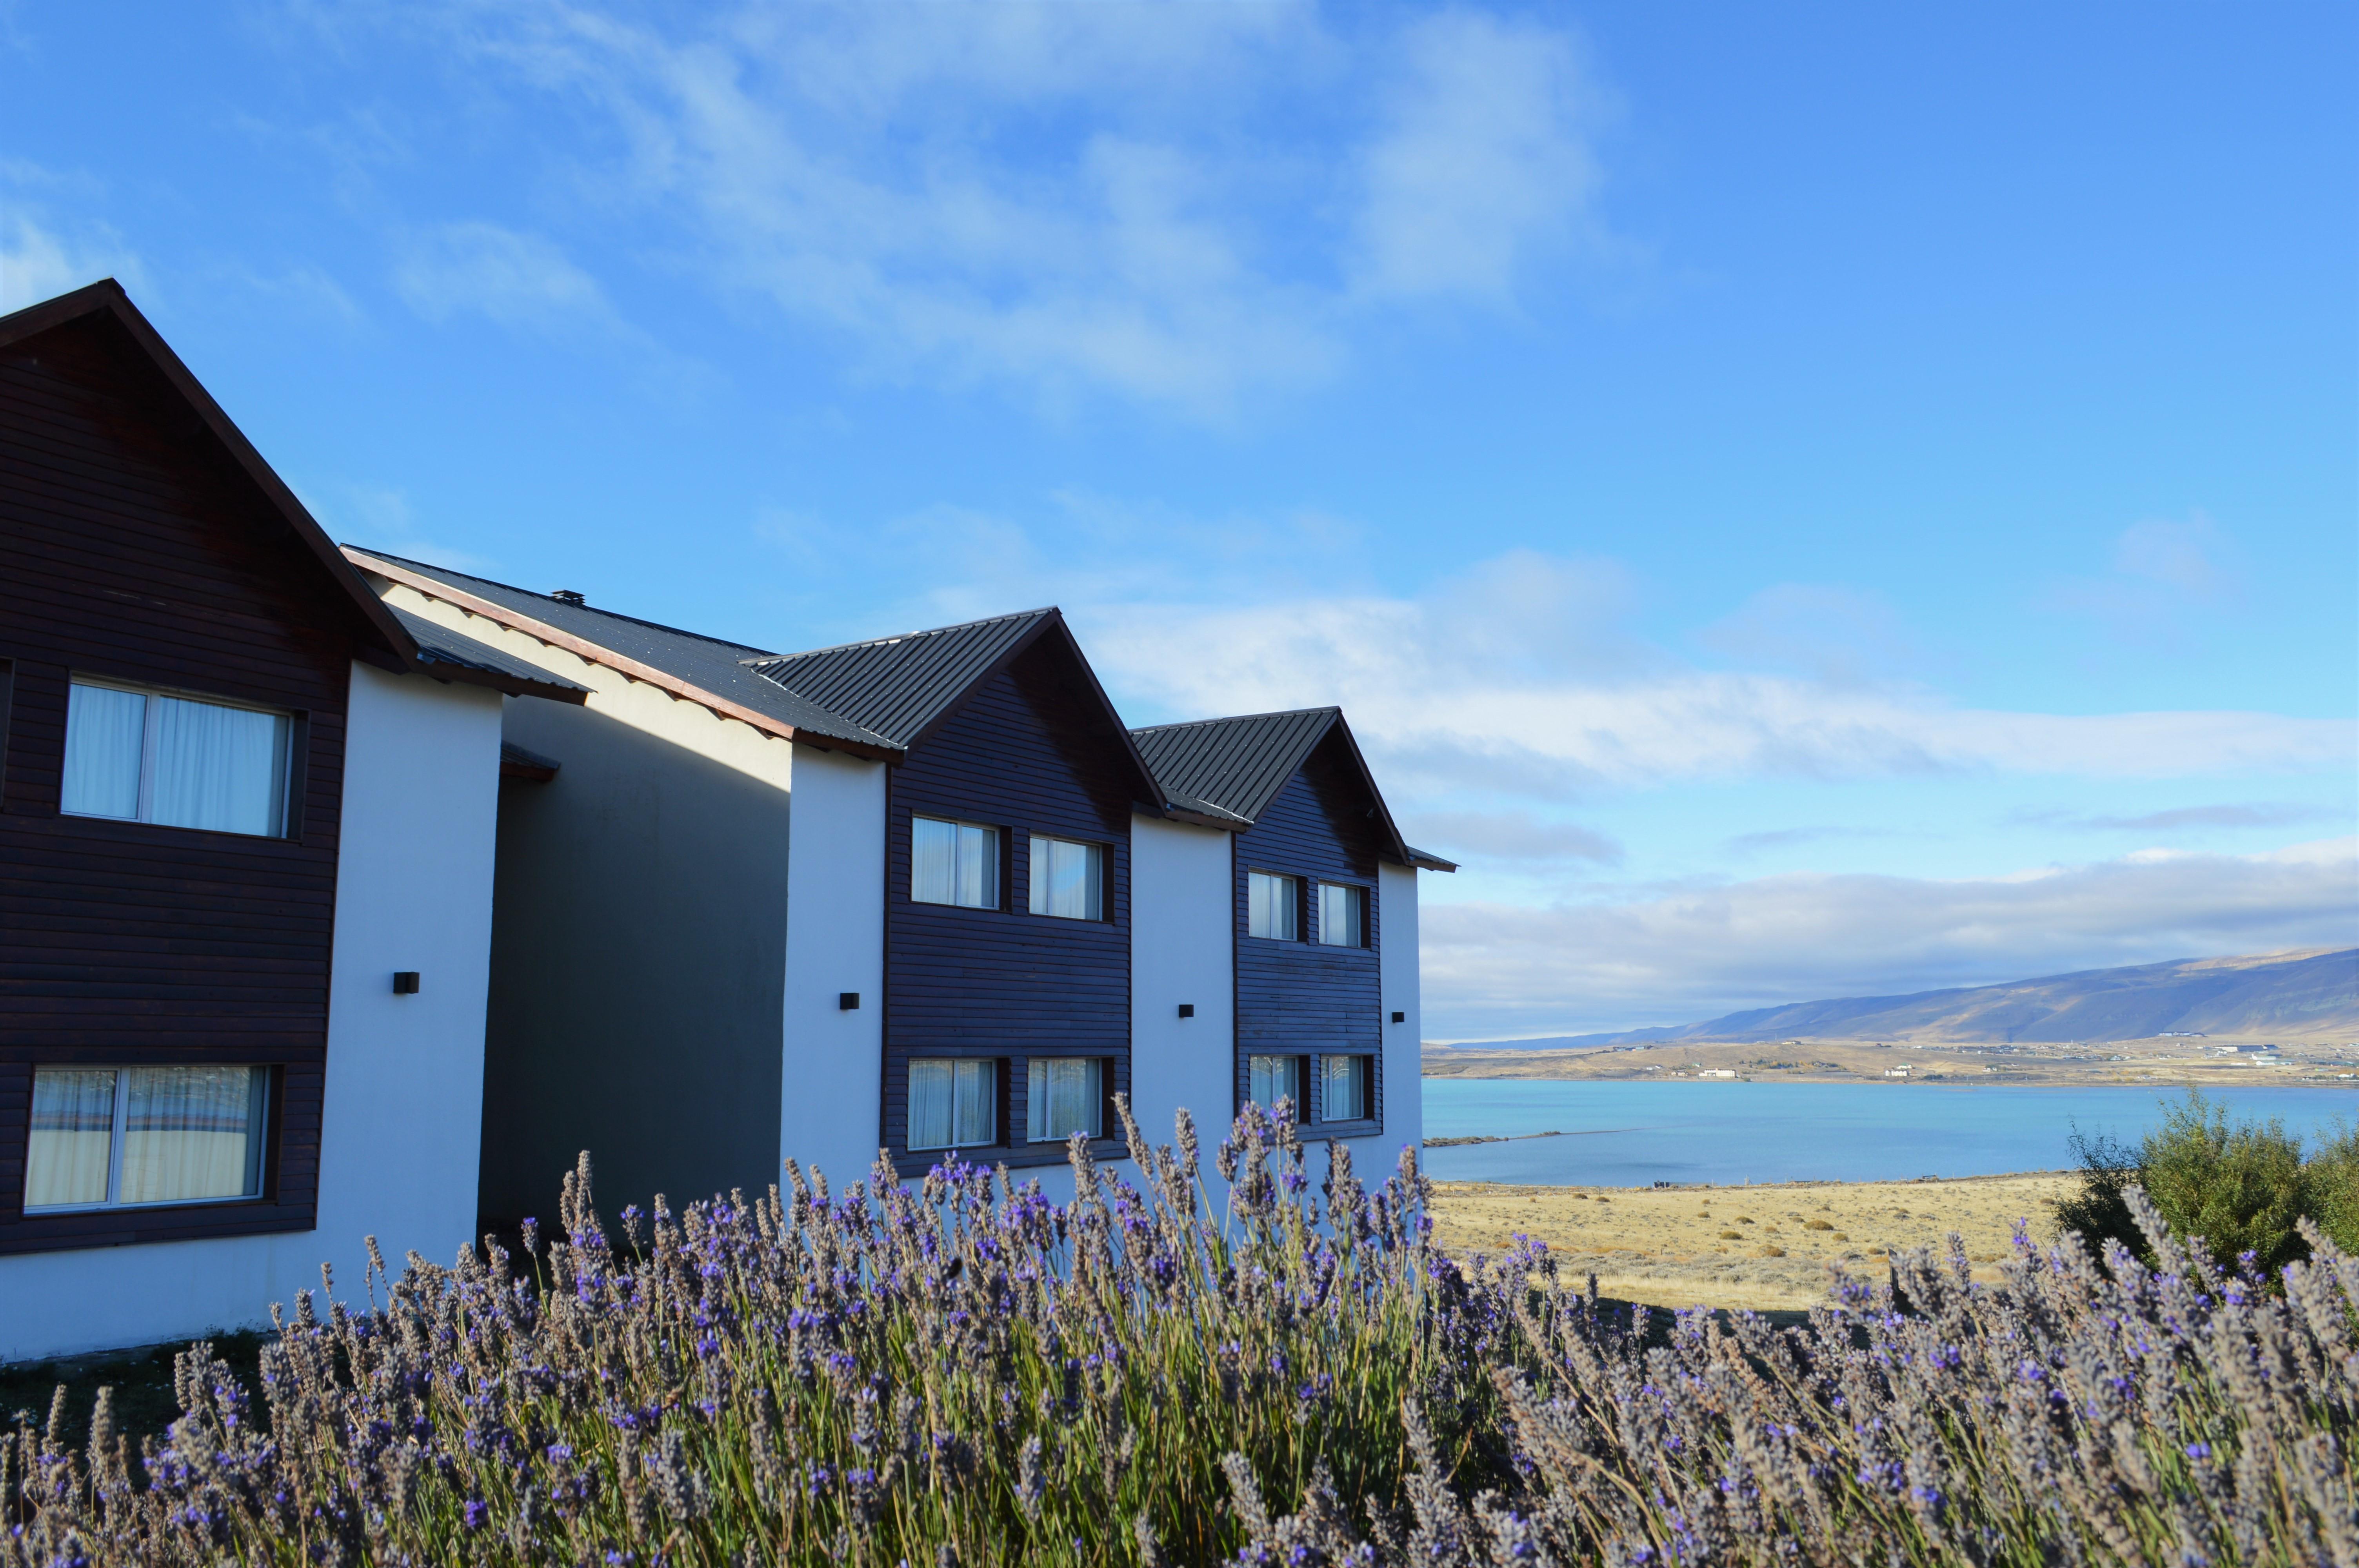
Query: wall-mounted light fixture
{"type": "Point", "coordinates": [1187, 1009]}
{"type": "Point", "coordinates": [405, 982]}
{"type": "Point", "coordinates": [847, 1002]}
{"type": "Point", "coordinates": [1400, 1018]}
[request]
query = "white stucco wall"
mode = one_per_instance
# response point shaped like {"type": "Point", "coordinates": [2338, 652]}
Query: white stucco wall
{"type": "Point", "coordinates": [1181, 939]}
{"type": "Point", "coordinates": [403, 1108]}
{"type": "Point", "coordinates": [829, 1087]}
{"type": "Point", "coordinates": [1404, 1101]}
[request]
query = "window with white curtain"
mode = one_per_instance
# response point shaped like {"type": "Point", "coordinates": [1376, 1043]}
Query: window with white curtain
{"type": "Point", "coordinates": [1068, 879]}
{"type": "Point", "coordinates": [149, 756]}
{"type": "Point", "coordinates": [1343, 915]}
{"type": "Point", "coordinates": [954, 1103]}
{"type": "Point", "coordinates": [1343, 1085]}
{"type": "Point", "coordinates": [108, 1136]}
{"type": "Point", "coordinates": [1270, 1079]}
{"type": "Point", "coordinates": [953, 862]}
{"type": "Point", "coordinates": [1064, 1095]}
{"type": "Point", "coordinates": [1271, 902]}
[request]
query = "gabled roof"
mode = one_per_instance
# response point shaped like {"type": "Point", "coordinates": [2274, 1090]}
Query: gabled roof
{"type": "Point", "coordinates": [454, 656]}
{"type": "Point", "coordinates": [703, 670]}
{"type": "Point", "coordinates": [904, 687]}
{"type": "Point", "coordinates": [384, 642]}
{"type": "Point", "coordinates": [1234, 767]}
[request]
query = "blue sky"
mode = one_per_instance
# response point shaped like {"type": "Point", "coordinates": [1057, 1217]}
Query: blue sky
{"type": "Point", "coordinates": [1803, 500]}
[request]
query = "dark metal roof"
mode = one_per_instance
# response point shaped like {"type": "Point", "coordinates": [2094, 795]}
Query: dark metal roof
{"type": "Point", "coordinates": [1233, 768]}
{"type": "Point", "coordinates": [454, 655]}
{"type": "Point", "coordinates": [899, 687]}
{"type": "Point", "coordinates": [516, 762]}
{"type": "Point", "coordinates": [709, 663]}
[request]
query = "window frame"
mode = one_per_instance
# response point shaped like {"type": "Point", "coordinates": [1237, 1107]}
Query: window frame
{"type": "Point", "coordinates": [1298, 914]}
{"type": "Point", "coordinates": [294, 741]}
{"type": "Point", "coordinates": [1360, 897]}
{"type": "Point", "coordinates": [1102, 853]}
{"type": "Point", "coordinates": [1367, 1112]}
{"type": "Point", "coordinates": [999, 866]}
{"type": "Point", "coordinates": [1301, 1099]}
{"type": "Point", "coordinates": [999, 1101]}
{"type": "Point", "coordinates": [1100, 1108]}
{"type": "Point", "coordinates": [260, 1154]}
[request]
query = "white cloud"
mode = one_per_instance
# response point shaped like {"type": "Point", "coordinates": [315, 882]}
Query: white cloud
{"type": "Point", "coordinates": [1518, 679]}
{"type": "Point", "coordinates": [2168, 579]}
{"type": "Point", "coordinates": [1515, 836]}
{"type": "Point", "coordinates": [39, 263]}
{"type": "Point", "coordinates": [1685, 956]}
{"type": "Point", "coordinates": [516, 279]}
{"type": "Point", "coordinates": [1181, 203]}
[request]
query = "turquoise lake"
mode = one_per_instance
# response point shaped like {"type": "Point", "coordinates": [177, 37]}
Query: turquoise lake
{"type": "Point", "coordinates": [1628, 1135]}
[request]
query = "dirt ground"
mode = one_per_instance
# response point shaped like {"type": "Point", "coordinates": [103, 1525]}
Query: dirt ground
{"type": "Point", "coordinates": [1757, 1246]}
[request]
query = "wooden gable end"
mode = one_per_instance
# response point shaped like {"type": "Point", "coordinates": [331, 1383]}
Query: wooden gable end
{"type": "Point", "coordinates": [1030, 751]}
{"type": "Point", "coordinates": [1302, 997]}
{"type": "Point", "coordinates": [133, 547]}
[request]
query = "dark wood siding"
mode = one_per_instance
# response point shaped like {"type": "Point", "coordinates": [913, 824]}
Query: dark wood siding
{"type": "Point", "coordinates": [132, 546]}
{"type": "Point", "coordinates": [1302, 998]}
{"type": "Point", "coordinates": [1029, 752]}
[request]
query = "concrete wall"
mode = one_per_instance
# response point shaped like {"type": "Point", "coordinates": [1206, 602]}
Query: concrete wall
{"type": "Point", "coordinates": [828, 1094]}
{"type": "Point", "coordinates": [1404, 1102]}
{"type": "Point", "coordinates": [1181, 938]}
{"type": "Point", "coordinates": [638, 944]}
{"type": "Point", "coordinates": [403, 1110]}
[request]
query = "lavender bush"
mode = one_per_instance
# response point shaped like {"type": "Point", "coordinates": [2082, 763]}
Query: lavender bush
{"type": "Point", "coordinates": [959, 1371]}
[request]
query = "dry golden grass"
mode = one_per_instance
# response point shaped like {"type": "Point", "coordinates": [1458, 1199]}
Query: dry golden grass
{"type": "Point", "coordinates": [1755, 1247]}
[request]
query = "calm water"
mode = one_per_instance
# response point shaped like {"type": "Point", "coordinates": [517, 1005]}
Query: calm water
{"type": "Point", "coordinates": [1631, 1134]}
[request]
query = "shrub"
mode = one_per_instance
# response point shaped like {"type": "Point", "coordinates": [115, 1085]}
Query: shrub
{"type": "Point", "coordinates": [2241, 1188]}
{"type": "Point", "coordinates": [2333, 1182]}
{"type": "Point", "coordinates": [2099, 1213]}
{"type": "Point", "coordinates": [957, 1371]}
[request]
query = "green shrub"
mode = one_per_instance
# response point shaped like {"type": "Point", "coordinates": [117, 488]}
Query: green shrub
{"type": "Point", "coordinates": [2237, 1187]}
{"type": "Point", "coordinates": [2333, 1181]}
{"type": "Point", "coordinates": [2100, 1211]}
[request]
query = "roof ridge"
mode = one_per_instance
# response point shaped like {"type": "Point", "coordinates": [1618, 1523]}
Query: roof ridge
{"type": "Point", "coordinates": [594, 609]}
{"type": "Point", "coordinates": [1238, 717]}
{"type": "Point", "coordinates": [904, 636]}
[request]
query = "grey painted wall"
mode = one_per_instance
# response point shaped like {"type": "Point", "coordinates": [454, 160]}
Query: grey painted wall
{"type": "Point", "coordinates": [639, 961]}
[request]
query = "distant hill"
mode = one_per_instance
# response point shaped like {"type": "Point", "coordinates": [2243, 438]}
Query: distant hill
{"type": "Point", "coordinates": [2290, 996]}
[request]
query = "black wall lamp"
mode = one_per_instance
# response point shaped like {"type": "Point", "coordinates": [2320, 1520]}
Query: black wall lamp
{"type": "Point", "coordinates": [847, 1002]}
{"type": "Point", "coordinates": [1400, 1018]}
{"type": "Point", "coordinates": [1187, 1009]}
{"type": "Point", "coordinates": [405, 982]}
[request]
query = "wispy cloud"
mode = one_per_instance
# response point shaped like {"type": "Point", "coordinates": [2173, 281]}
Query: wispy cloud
{"type": "Point", "coordinates": [2252, 814]}
{"type": "Point", "coordinates": [516, 279]}
{"type": "Point", "coordinates": [40, 261]}
{"type": "Point", "coordinates": [1498, 969]}
{"type": "Point", "coordinates": [1519, 678]}
{"type": "Point", "coordinates": [2168, 576]}
{"type": "Point", "coordinates": [1070, 198]}
{"type": "Point", "coordinates": [1517, 837]}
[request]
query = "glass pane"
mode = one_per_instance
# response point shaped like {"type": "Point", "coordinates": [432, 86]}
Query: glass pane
{"type": "Point", "coordinates": [1065, 1097]}
{"type": "Point", "coordinates": [104, 732]}
{"type": "Point", "coordinates": [930, 1104]}
{"type": "Point", "coordinates": [978, 866]}
{"type": "Point", "coordinates": [1338, 914]}
{"type": "Point", "coordinates": [975, 1120]}
{"type": "Point", "coordinates": [1274, 1078]}
{"type": "Point", "coordinates": [189, 1133]}
{"type": "Point", "coordinates": [223, 768]}
{"type": "Point", "coordinates": [1345, 1088]}
{"type": "Point", "coordinates": [1270, 906]}
{"type": "Point", "coordinates": [1068, 879]}
{"type": "Point", "coordinates": [74, 1123]}
{"type": "Point", "coordinates": [933, 860]}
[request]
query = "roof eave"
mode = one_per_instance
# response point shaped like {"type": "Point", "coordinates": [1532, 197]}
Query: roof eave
{"type": "Point", "coordinates": [500, 681]}
{"type": "Point", "coordinates": [395, 650]}
{"type": "Point", "coordinates": [581, 647]}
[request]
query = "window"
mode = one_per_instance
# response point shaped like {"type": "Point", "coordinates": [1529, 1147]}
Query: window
{"type": "Point", "coordinates": [1270, 904]}
{"type": "Point", "coordinates": [1343, 915]}
{"type": "Point", "coordinates": [954, 1104]}
{"type": "Point", "coordinates": [1068, 879]}
{"type": "Point", "coordinates": [1346, 1082]}
{"type": "Point", "coordinates": [1270, 1079]}
{"type": "Point", "coordinates": [1065, 1095]}
{"type": "Point", "coordinates": [953, 862]}
{"type": "Point", "coordinates": [109, 1136]}
{"type": "Point", "coordinates": [142, 756]}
